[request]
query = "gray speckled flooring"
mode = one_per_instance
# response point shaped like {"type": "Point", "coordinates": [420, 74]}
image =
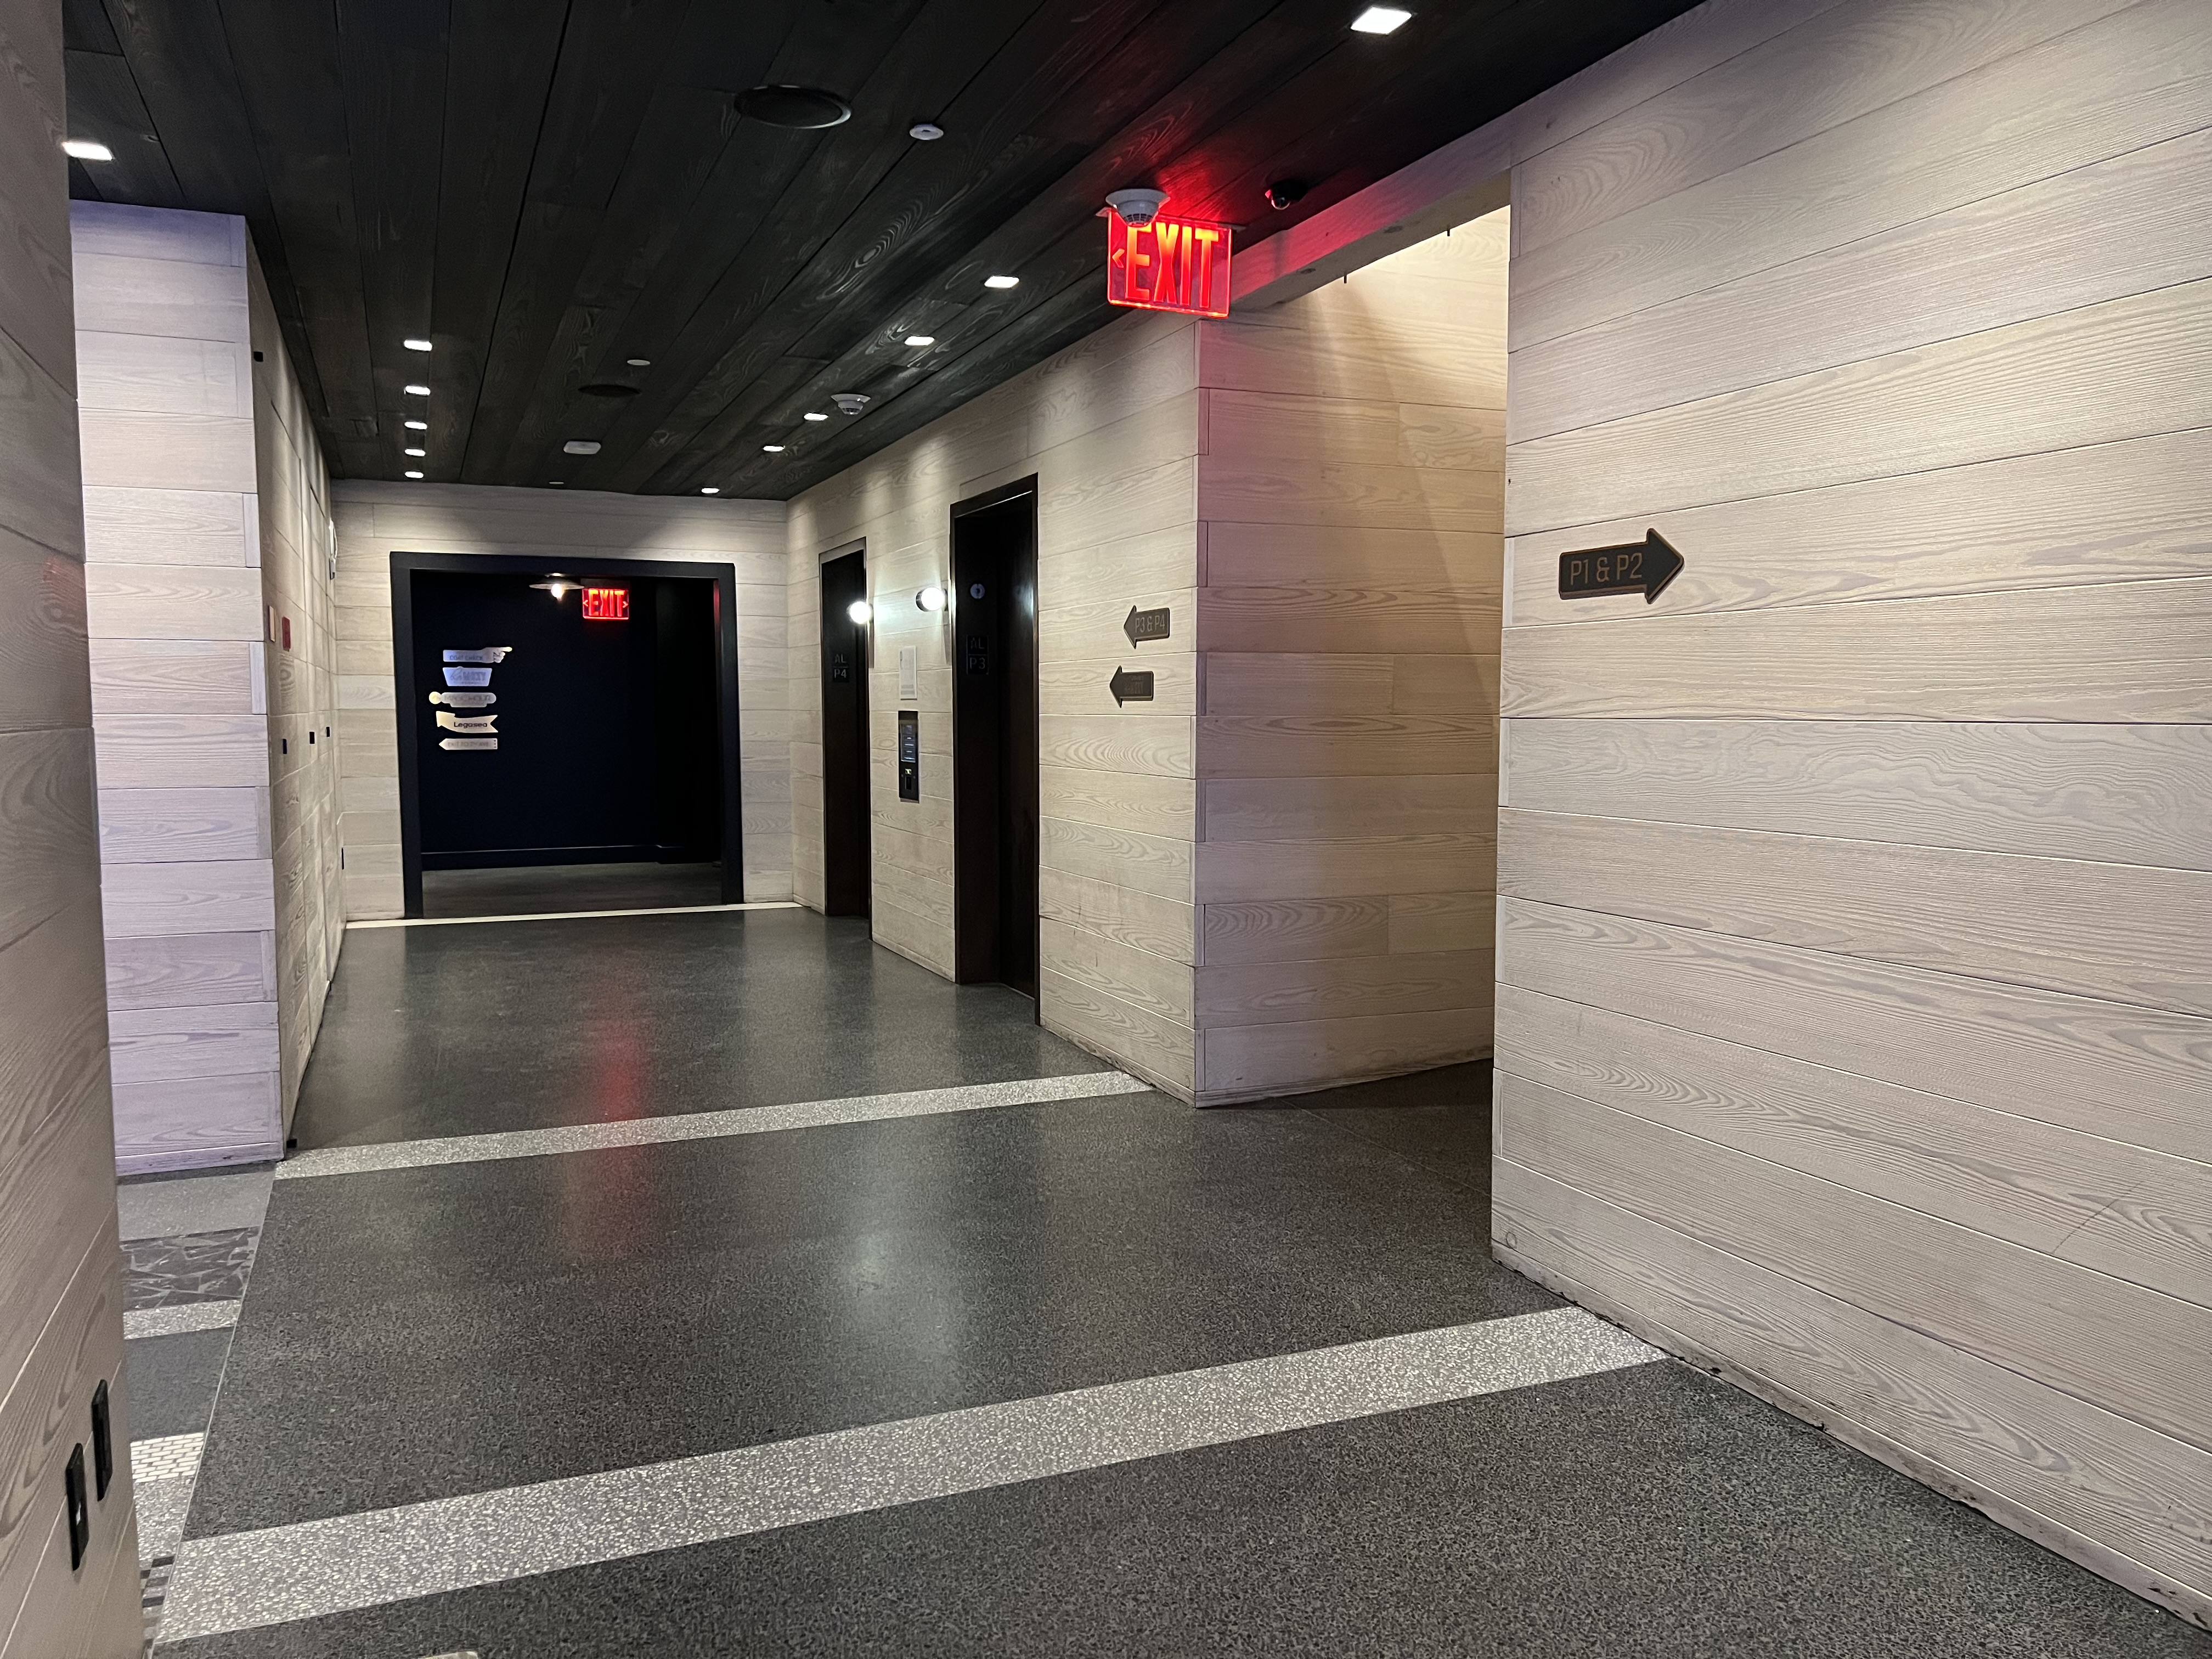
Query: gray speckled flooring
{"type": "Point", "coordinates": [473, 1337]}
{"type": "Point", "coordinates": [438, 1031]}
{"type": "Point", "coordinates": [243, 1580]}
{"type": "Point", "coordinates": [523, 889]}
{"type": "Point", "coordinates": [1650, 1513]}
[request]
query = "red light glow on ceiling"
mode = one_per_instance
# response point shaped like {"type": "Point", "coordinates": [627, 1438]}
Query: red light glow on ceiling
{"type": "Point", "coordinates": [1170, 264]}
{"type": "Point", "coordinates": [606, 604]}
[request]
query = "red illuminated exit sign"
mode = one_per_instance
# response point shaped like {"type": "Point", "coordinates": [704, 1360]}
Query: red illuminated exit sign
{"type": "Point", "coordinates": [606, 604]}
{"type": "Point", "coordinates": [1170, 264]}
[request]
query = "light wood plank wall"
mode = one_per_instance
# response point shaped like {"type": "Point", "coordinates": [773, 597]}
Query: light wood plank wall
{"type": "Point", "coordinates": [584, 529]}
{"type": "Point", "coordinates": [298, 558]}
{"type": "Point", "coordinates": [204, 486]}
{"type": "Point", "coordinates": [1110, 427]}
{"type": "Point", "coordinates": [1351, 490]}
{"type": "Point", "coordinates": [61, 1324]}
{"type": "Point", "coordinates": [1854, 1001]}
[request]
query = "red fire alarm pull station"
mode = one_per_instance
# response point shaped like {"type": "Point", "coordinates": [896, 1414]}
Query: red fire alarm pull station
{"type": "Point", "coordinates": [606, 604]}
{"type": "Point", "coordinates": [1170, 264]}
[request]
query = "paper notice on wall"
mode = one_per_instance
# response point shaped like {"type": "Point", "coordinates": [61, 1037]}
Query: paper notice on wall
{"type": "Point", "coordinates": [467, 722]}
{"type": "Point", "coordinates": [494, 654]}
{"type": "Point", "coordinates": [465, 699]}
{"type": "Point", "coordinates": [468, 677]}
{"type": "Point", "coordinates": [468, 743]}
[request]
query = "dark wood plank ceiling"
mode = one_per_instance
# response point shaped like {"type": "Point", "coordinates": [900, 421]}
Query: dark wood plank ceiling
{"type": "Point", "coordinates": [551, 188]}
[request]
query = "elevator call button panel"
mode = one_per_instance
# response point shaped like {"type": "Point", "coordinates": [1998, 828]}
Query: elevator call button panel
{"type": "Point", "coordinates": [910, 755]}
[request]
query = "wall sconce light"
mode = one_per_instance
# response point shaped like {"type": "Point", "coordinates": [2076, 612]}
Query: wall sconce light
{"type": "Point", "coordinates": [861, 612]}
{"type": "Point", "coordinates": [557, 585]}
{"type": "Point", "coordinates": [931, 598]}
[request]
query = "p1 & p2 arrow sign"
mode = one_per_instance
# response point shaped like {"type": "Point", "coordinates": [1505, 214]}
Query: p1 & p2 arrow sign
{"type": "Point", "coordinates": [1644, 567]}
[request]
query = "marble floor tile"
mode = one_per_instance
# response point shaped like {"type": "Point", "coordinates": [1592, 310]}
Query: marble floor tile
{"type": "Point", "coordinates": [211, 1266]}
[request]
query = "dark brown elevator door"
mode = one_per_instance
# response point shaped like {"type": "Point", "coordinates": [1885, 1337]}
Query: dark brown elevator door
{"type": "Point", "coordinates": [994, 717]}
{"type": "Point", "coordinates": [846, 881]}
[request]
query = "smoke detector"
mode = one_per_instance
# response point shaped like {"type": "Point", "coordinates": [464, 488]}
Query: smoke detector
{"type": "Point", "coordinates": [849, 403]}
{"type": "Point", "coordinates": [1137, 207]}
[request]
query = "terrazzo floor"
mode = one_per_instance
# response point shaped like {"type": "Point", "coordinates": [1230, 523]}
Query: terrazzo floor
{"type": "Point", "coordinates": [633, 1297]}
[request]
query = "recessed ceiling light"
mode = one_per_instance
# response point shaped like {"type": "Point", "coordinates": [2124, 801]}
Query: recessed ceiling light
{"type": "Point", "coordinates": [1002, 281]}
{"type": "Point", "coordinates": [1380, 20]}
{"type": "Point", "coordinates": [640, 363]}
{"type": "Point", "coordinates": [815, 415]}
{"type": "Point", "coordinates": [710, 489]}
{"type": "Point", "coordinates": [554, 483]}
{"type": "Point", "coordinates": [772, 449]}
{"type": "Point", "coordinates": [416, 426]}
{"type": "Point", "coordinates": [805, 108]}
{"type": "Point", "coordinates": [414, 475]}
{"type": "Point", "coordinates": [928, 131]}
{"type": "Point", "coordinates": [87, 149]}
{"type": "Point", "coordinates": [418, 391]}
{"type": "Point", "coordinates": [418, 452]}
{"type": "Point", "coordinates": [920, 339]}
{"type": "Point", "coordinates": [580, 446]}
{"type": "Point", "coordinates": [415, 344]}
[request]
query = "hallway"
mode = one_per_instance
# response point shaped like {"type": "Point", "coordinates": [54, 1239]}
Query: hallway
{"type": "Point", "coordinates": [718, 1283]}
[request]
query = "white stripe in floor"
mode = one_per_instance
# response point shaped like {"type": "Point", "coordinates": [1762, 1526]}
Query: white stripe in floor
{"type": "Point", "coordinates": [577, 915]}
{"type": "Point", "coordinates": [702, 1126]}
{"type": "Point", "coordinates": [162, 1474]}
{"type": "Point", "coordinates": [242, 1581]}
{"type": "Point", "coordinates": [179, 1317]}
{"type": "Point", "coordinates": [166, 1458]}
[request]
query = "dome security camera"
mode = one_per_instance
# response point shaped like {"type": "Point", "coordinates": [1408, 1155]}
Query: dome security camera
{"type": "Point", "coordinates": [1137, 207]}
{"type": "Point", "coordinates": [1283, 191]}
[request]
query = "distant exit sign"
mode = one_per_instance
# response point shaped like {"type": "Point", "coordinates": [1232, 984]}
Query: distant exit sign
{"type": "Point", "coordinates": [606, 604]}
{"type": "Point", "coordinates": [1170, 264]}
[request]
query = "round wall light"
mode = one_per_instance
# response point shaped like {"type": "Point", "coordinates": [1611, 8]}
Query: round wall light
{"type": "Point", "coordinates": [861, 612]}
{"type": "Point", "coordinates": [931, 598]}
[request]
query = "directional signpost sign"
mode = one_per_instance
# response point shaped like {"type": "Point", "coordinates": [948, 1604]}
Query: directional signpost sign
{"type": "Point", "coordinates": [1142, 625]}
{"type": "Point", "coordinates": [1130, 685]}
{"type": "Point", "coordinates": [1644, 567]}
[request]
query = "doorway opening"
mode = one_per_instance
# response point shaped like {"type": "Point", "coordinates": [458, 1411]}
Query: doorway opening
{"type": "Point", "coordinates": [995, 803]}
{"type": "Point", "coordinates": [567, 735]}
{"type": "Point", "coordinates": [847, 878]}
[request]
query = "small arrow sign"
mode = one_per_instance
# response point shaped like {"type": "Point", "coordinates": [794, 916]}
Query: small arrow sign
{"type": "Point", "coordinates": [1142, 625]}
{"type": "Point", "coordinates": [1644, 567]}
{"type": "Point", "coordinates": [1129, 685]}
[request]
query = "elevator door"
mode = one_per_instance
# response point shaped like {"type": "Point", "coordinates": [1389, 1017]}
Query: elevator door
{"type": "Point", "coordinates": [845, 876]}
{"type": "Point", "coordinates": [994, 739]}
